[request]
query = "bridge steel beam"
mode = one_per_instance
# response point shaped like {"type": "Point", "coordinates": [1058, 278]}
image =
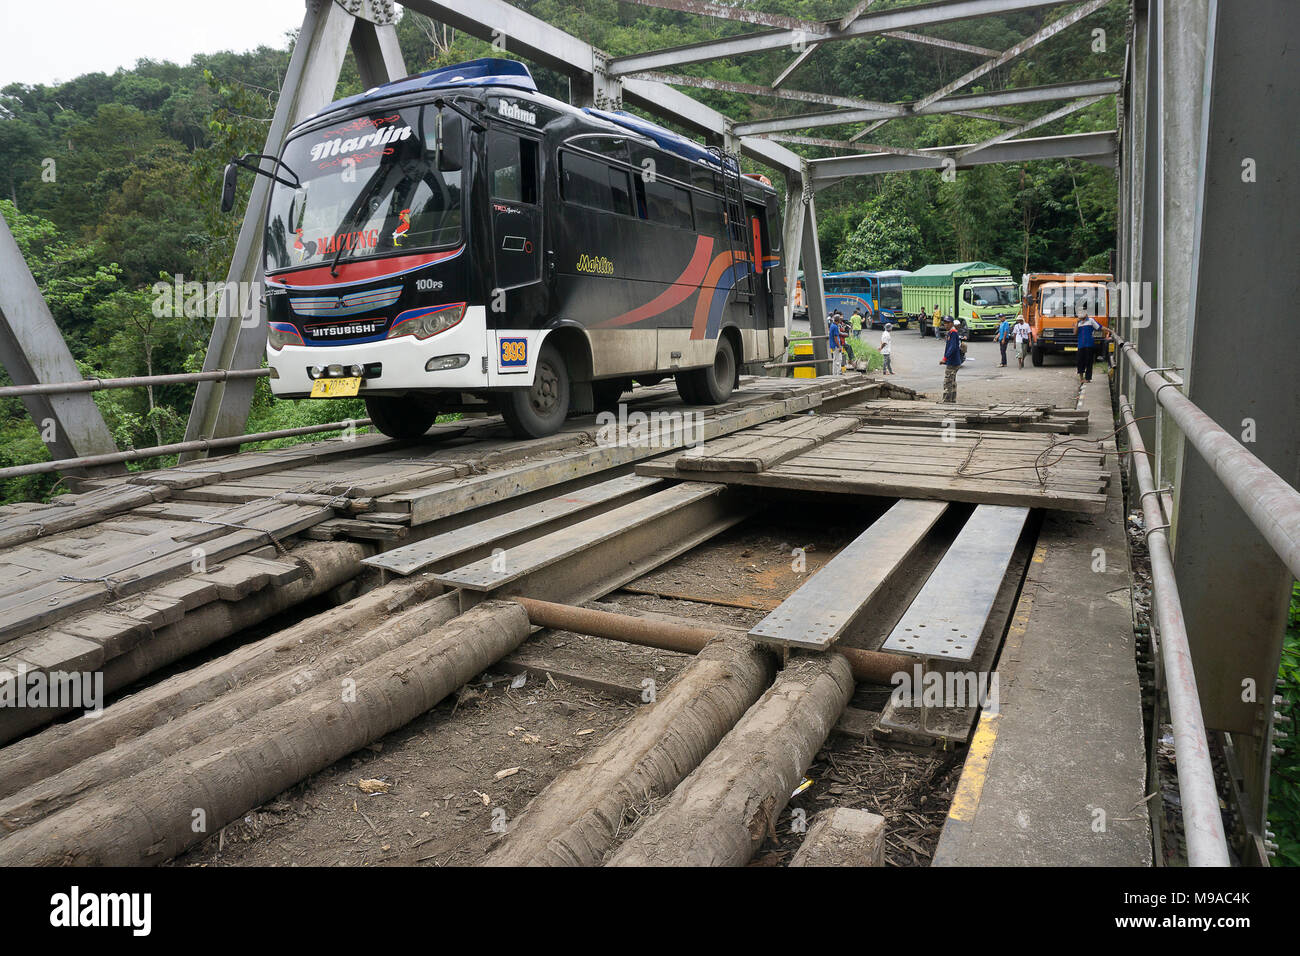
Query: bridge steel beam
{"type": "Point", "coordinates": [328, 29]}
{"type": "Point", "coordinates": [901, 18]}
{"type": "Point", "coordinates": [949, 104]}
{"type": "Point", "coordinates": [1241, 367]}
{"type": "Point", "coordinates": [34, 353]}
{"type": "Point", "coordinates": [1093, 147]}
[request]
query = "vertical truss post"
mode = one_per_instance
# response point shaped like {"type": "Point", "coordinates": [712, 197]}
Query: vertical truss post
{"type": "Point", "coordinates": [1242, 357]}
{"type": "Point", "coordinates": [34, 353]}
{"type": "Point", "coordinates": [1152, 196]}
{"type": "Point", "coordinates": [328, 28]}
{"type": "Point", "coordinates": [813, 295]}
{"type": "Point", "coordinates": [1182, 44]}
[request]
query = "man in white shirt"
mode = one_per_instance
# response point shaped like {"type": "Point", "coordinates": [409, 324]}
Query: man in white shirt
{"type": "Point", "coordinates": [1024, 337]}
{"type": "Point", "coordinates": [886, 349]}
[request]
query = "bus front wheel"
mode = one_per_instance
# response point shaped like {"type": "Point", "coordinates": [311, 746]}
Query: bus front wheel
{"type": "Point", "coordinates": [540, 409]}
{"type": "Point", "coordinates": [401, 418]}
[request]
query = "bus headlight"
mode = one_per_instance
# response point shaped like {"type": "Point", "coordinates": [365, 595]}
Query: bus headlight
{"type": "Point", "coordinates": [427, 322]}
{"type": "Point", "coordinates": [280, 334]}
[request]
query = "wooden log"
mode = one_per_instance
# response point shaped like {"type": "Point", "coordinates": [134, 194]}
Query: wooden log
{"type": "Point", "coordinates": [150, 817]}
{"type": "Point", "coordinates": [64, 745]}
{"type": "Point", "coordinates": [722, 812]}
{"type": "Point", "coordinates": [843, 837]}
{"type": "Point", "coordinates": [135, 753]}
{"type": "Point", "coordinates": [574, 821]}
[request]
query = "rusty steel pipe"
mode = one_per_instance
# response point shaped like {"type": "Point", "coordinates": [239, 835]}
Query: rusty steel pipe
{"type": "Point", "coordinates": [870, 667]}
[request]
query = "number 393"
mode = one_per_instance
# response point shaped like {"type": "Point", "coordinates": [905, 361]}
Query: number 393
{"type": "Point", "coordinates": [514, 352]}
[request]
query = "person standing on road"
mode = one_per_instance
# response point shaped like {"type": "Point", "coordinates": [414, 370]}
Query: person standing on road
{"type": "Point", "coordinates": [1024, 336]}
{"type": "Point", "coordinates": [886, 350]}
{"type": "Point", "coordinates": [836, 339]}
{"type": "Point", "coordinates": [855, 322]}
{"type": "Point", "coordinates": [935, 322]}
{"type": "Point", "coordinates": [1086, 329]}
{"type": "Point", "coordinates": [951, 361]}
{"type": "Point", "coordinates": [1004, 338]}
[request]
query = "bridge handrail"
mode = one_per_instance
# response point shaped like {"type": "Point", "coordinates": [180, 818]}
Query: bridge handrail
{"type": "Point", "coordinates": [1202, 823]}
{"type": "Point", "coordinates": [201, 444]}
{"type": "Point", "coordinates": [136, 381]}
{"type": "Point", "coordinates": [1272, 505]}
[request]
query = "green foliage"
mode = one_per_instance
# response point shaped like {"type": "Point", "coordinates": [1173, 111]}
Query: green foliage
{"type": "Point", "coordinates": [1284, 783]}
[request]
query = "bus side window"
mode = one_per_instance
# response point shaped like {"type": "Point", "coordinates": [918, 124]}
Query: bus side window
{"type": "Point", "coordinates": [513, 168]}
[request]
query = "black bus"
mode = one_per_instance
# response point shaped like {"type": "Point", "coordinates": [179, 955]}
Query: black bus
{"type": "Point", "coordinates": [457, 237]}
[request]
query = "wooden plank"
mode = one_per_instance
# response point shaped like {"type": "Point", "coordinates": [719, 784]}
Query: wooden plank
{"type": "Point", "coordinates": [760, 448]}
{"type": "Point", "coordinates": [445, 547]}
{"type": "Point", "coordinates": [489, 574]}
{"type": "Point", "coordinates": [441, 500]}
{"type": "Point", "coordinates": [946, 618]}
{"type": "Point", "coordinates": [825, 606]}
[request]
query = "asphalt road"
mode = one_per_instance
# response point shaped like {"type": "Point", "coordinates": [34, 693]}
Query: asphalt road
{"type": "Point", "coordinates": [980, 380]}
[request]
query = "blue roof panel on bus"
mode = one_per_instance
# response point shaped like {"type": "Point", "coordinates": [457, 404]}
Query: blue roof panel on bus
{"type": "Point", "coordinates": [673, 142]}
{"type": "Point", "coordinates": [485, 71]}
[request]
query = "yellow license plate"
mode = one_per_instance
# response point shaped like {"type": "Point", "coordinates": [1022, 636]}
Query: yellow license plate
{"type": "Point", "coordinates": [335, 387]}
{"type": "Point", "coordinates": [1071, 348]}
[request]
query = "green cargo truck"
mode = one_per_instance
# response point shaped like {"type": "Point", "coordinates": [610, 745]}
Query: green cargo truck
{"type": "Point", "coordinates": [978, 293]}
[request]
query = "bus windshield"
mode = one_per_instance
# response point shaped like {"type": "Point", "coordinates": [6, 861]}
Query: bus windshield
{"type": "Point", "coordinates": [995, 295]}
{"type": "Point", "coordinates": [891, 294]}
{"type": "Point", "coordinates": [371, 185]}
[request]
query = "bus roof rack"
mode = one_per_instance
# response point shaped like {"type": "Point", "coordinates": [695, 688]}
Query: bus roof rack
{"type": "Point", "coordinates": [485, 71]}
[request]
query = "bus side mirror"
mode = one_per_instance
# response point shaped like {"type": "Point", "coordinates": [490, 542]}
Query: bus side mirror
{"type": "Point", "coordinates": [451, 146]}
{"type": "Point", "coordinates": [228, 181]}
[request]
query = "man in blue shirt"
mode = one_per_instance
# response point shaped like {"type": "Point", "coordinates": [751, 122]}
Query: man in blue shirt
{"type": "Point", "coordinates": [1004, 336]}
{"type": "Point", "coordinates": [836, 342]}
{"type": "Point", "coordinates": [1086, 329]}
{"type": "Point", "coordinates": [952, 359]}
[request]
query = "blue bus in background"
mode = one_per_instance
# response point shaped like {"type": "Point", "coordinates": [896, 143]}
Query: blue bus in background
{"type": "Point", "coordinates": [879, 295]}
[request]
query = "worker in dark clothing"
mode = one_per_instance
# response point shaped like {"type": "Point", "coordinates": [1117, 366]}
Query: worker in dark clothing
{"type": "Point", "coordinates": [1086, 329]}
{"type": "Point", "coordinates": [952, 359]}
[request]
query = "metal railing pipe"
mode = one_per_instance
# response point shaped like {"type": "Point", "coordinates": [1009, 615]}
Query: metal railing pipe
{"type": "Point", "coordinates": [99, 384]}
{"type": "Point", "coordinates": [1202, 822]}
{"type": "Point", "coordinates": [201, 444]}
{"type": "Point", "coordinates": [1271, 504]}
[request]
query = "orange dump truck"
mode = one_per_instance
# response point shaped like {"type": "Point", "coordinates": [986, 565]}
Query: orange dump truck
{"type": "Point", "coordinates": [1052, 302]}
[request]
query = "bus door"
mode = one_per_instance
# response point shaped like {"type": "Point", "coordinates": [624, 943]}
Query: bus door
{"type": "Point", "coordinates": [513, 182]}
{"type": "Point", "coordinates": [760, 245]}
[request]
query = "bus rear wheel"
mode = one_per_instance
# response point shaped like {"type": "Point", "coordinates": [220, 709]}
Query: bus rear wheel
{"type": "Point", "coordinates": [540, 409]}
{"type": "Point", "coordinates": [712, 385]}
{"type": "Point", "coordinates": [401, 418]}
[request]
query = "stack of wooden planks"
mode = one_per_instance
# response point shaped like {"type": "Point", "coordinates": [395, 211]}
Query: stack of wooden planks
{"type": "Point", "coordinates": [1027, 417]}
{"type": "Point", "coordinates": [983, 467]}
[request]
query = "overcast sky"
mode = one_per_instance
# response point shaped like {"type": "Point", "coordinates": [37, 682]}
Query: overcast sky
{"type": "Point", "coordinates": [44, 41]}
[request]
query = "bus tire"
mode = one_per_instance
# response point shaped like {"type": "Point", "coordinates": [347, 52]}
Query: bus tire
{"type": "Point", "coordinates": [401, 418]}
{"type": "Point", "coordinates": [1036, 355]}
{"type": "Point", "coordinates": [712, 385]}
{"type": "Point", "coordinates": [540, 409]}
